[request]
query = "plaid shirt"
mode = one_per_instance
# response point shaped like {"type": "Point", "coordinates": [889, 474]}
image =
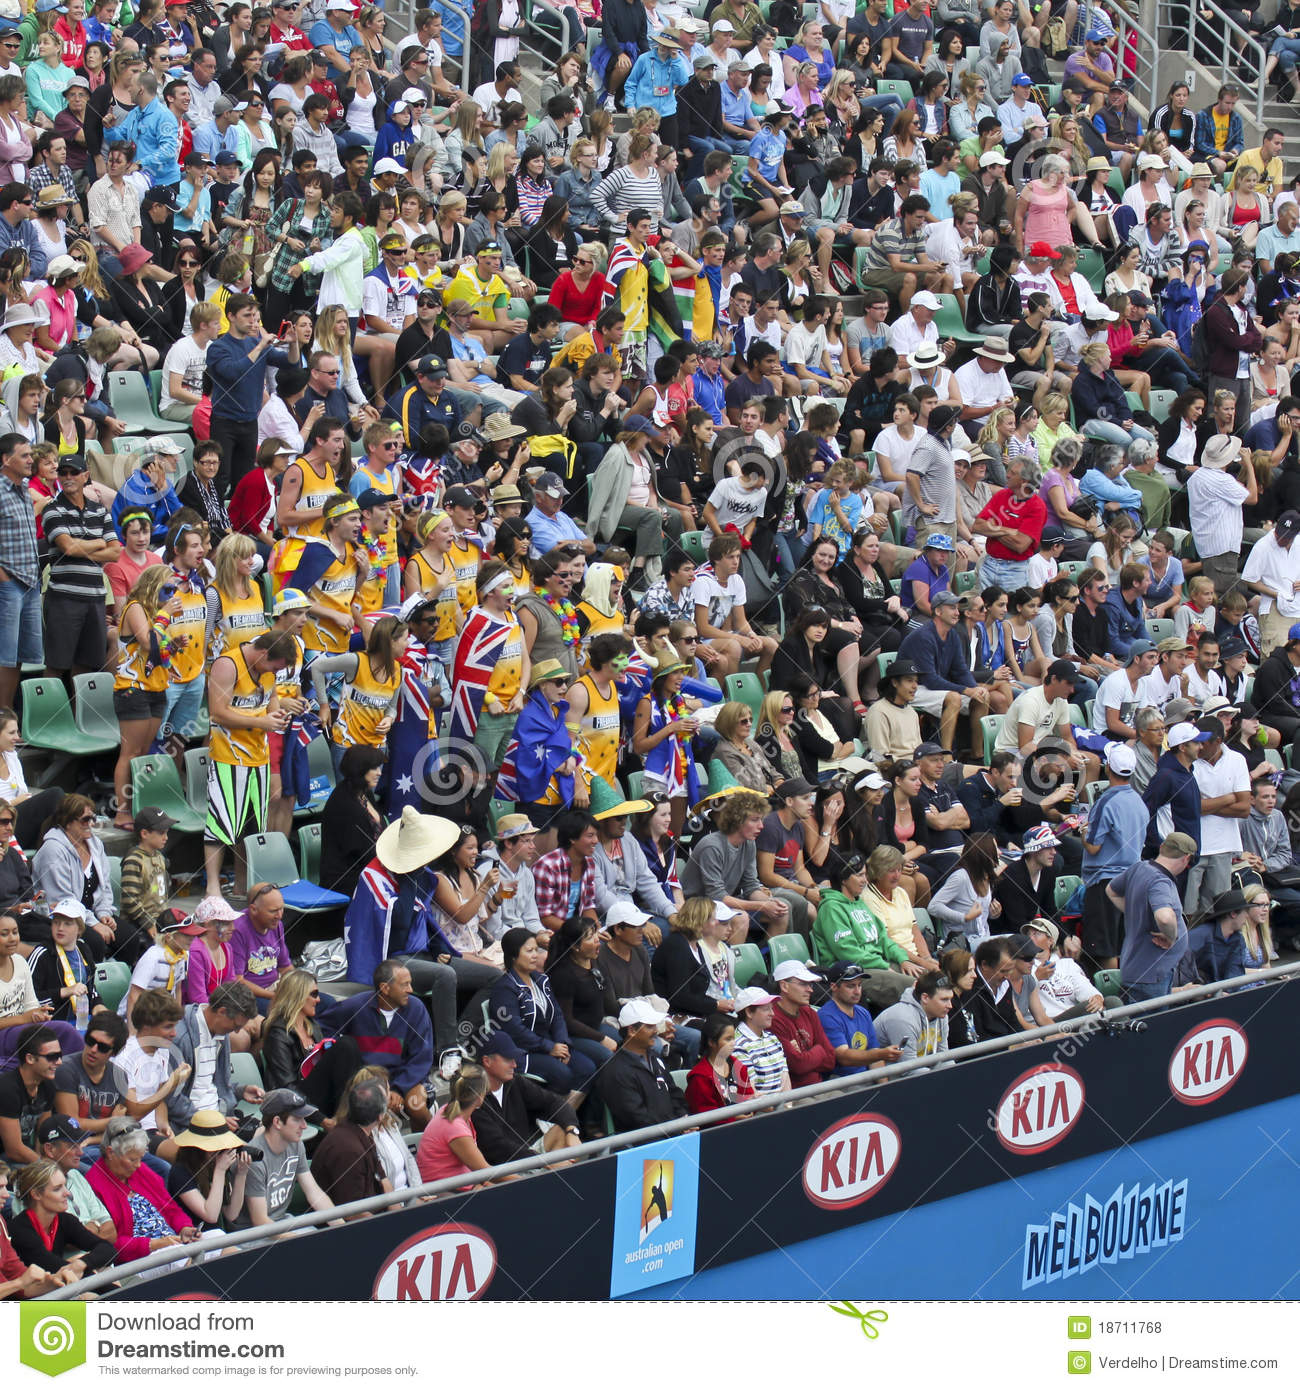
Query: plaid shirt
{"type": "Point", "coordinates": [18, 532]}
{"type": "Point", "coordinates": [285, 219]}
{"type": "Point", "coordinates": [553, 881]}
{"type": "Point", "coordinates": [41, 177]}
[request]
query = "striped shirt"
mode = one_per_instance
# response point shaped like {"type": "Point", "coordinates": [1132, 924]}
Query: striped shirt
{"type": "Point", "coordinates": [891, 240]}
{"type": "Point", "coordinates": [764, 1058]}
{"type": "Point", "coordinates": [621, 191]}
{"type": "Point", "coordinates": [1214, 503]}
{"type": "Point", "coordinates": [75, 576]}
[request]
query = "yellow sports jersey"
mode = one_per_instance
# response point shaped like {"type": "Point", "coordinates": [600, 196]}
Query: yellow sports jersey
{"type": "Point", "coordinates": [597, 622]}
{"type": "Point", "coordinates": [576, 351]}
{"type": "Point", "coordinates": [191, 622]}
{"type": "Point", "coordinates": [503, 685]}
{"type": "Point", "coordinates": [447, 596]}
{"type": "Point", "coordinates": [601, 726]}
{"type": "Point", "coordinates": [131, 658]}
{"type": "Point", "coordinates": [484, 296]}
{"type": "Point", "coordinates": [383, 482]}
{"type": "Point", "coordinates": [251, 696]}
{"type": "Point", "coordinates": [335, 590]}
{"type": "Point", "coordinates": [238, 620]}
{"type": "Point", "coordinates": [363, 704]}
{"type": "Point", "coordinates": [465, 556]}
{"type": "Point", "coordinates": [288, 681]}
{"type": "Point", "coordinates": [316, 491]}
{"type": "Point", "coordinates": [522, 583]}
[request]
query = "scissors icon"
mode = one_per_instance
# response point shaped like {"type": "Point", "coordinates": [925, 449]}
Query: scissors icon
{"type": "Point", "coordinates": [867, 1318]}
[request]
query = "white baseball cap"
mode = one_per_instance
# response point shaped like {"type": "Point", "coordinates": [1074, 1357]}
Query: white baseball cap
{"type": "Point", "coordinates": [639, 1011]}
{"type": "Point", "coordinates": [1121, 759]}
{"type": "Point", "coordinates": [626, 914]}
{"type": "Point", "coordinates": [926, 300]}
{"type": "Point", "coordinates": [794, 970]}
{"type": "Point", "coordinates": [751, 997]}
{"type": "Point", "coordinates": [69, 907]}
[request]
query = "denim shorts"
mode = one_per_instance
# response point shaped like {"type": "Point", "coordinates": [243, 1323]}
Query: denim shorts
{"type": "Point", "coordinates": [183, 703]}
{"type": "Point", "coordinates": [21, 643]}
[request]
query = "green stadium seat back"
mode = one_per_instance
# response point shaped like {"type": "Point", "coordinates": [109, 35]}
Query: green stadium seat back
{"type": "Point", "coordinates": [749, 962]}
{"type": "Point", "coordinates": [696, 545]}
{"type": "Point", "coordinates": [309, 842]}
{"type": "Point", "coordinates": [128, 393]}
{"type": "Point", "coordinates": [154, 782]}
{"type": "Point", "coordinates": [746, 687]}
{"type": "Point", "coordinates": [196, 778]}
{"type": "Point", "coordinates": [93, 705]}
{"type": "Point", "coordinates": [48, 721]}
{"type": "Point", "coordinates": [270, 860]}
{"type": "Point", "coordinates": [990, 724]}
{"type": "Point", "coordinates": [787, 946]}
{"type": "Point", "coordinates": [1065, 886]}
{"type": "Point", "coordinates": [112, 980]}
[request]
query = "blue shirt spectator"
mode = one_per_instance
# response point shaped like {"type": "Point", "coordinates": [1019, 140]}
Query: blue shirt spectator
{"type": "Point", "coordinates": [854, 1030]}
{"type": "Point", "coordinates": [1125, 621]}
{"type": "Point", "coordinates": [1217, 957]}
{"type": "Point", "coordinates": [550, 531]}
{"type": "Point", "coordinates": [1117, 825]}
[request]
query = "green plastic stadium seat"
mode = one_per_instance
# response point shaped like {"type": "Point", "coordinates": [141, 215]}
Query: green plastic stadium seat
{"type": "Point", "coordinates": [93, 692]}
{"type": "Point", "coordinates": [1160, 403]}
{"type": "Point", "coordinates": [245, 1072]}
{"type": "Point", "coordinates": [719, 778]}
{"type": "Point", "coordinates": [309, 852]}
{"type": "Point", "coordinates": [48, 721]}
{"type": "Point", "coordinates": [128, 394]}
{"type": "Point", "coordinates": [270, 860]}
{"type": "Point", "coordinates": [749, 962]}
{"type": "Point", "coordinates": [196, 779]}
{"type": "Point", "coordinates": [1065, 886]}
{"type": "Point", "coordinates": [990, 724]}
{"type": "Point", "coordinates": [788, 946]}
{"type": "Point", "coordinates": [965, 581]}
{"type": "Point", "coordinates": [923, 919]}
{"type": "Point", "coordinates": [1160, 628]}
{"type": "Point", "coordinates": [112, 980]}
{"type": "Point", "coordinates": [154, 782]}
{"type": "Point", "coordinates": [696, 545]}
{"type": "Point", "coordinates": [1093, 790]}
{"type": "Point", "coordinates": [886, 87]}
{"type": "Point", "coordinates": [1108, 982]}
{"type": "Point", "coordinates": [949, 323]}
{"type": "Point", "coordinates": [746, 687]}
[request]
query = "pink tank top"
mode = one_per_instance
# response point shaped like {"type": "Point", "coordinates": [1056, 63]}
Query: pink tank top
{"type": "Point", "coordinates": [1048, 216]}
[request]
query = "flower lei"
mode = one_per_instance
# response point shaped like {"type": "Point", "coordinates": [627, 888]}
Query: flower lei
{"type": "Point", "coordinates": [567, 614]}
{"type": "Point", "coordinates": [374, 548]}
{"type": "Point", "coordinates": [675, 708]}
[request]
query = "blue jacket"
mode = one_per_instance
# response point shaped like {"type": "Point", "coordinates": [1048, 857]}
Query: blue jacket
{"type": "Point", "coordinates": [1174, 786]}
{"type": "Point", "coordinates": [1217, 957]}
{"type": "Point", "coordinates": [236, 382]}
{"type": "Point", "coordinates": [1203, 135]}
{"type": "Point", "coordinates": [654, 81]}
{"type": "Point", "coordinates": [512, 1007]}
{"type": "Point", "coordinates": [942, 665]}
{"type": "Point", "coordinates": [24, 236]}
{"type": "Point", "coordinates": [139, 494]}
{"type": "Point", "coordinates": [1117, 825]}
{"type": "Point", "coordinates": [157, 137]}
{"type": "Point", "coordinates": [1123, 625]}
{"type": "Point", "coordinates": [393, 141]}
{"type": "Point", "coordinates": [404, 1047]}
{"type": "Point", "coordinates": [1099, 398]}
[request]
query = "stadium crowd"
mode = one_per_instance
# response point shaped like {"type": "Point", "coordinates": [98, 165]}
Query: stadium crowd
{"type": "Point", "coordinates": [769, 554]}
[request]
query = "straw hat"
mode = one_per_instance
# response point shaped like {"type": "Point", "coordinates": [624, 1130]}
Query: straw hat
{"type": "Point", "coordinates": [414, 841]}
{"type": "Point", "coordinates": [209, 1130]}
{"type": "Point", "coordinates": [550, 670]}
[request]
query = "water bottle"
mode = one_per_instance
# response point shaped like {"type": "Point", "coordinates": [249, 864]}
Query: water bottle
{"type": "Point", "coordinates": [81, 1008]}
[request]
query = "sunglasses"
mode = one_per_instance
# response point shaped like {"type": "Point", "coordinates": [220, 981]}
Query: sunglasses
{"type": "Point", "coordinates": [313, 994]}
{"type": "Point", "coordinates": [6, 820]}
{"type": "Point", "coordinates": [185, 263]}
{"type": "Point", "coordinates": [388, 444]}
{"type": "Point", "coordinates": [87, 819]}
{"type": "Point", "coordinates": [98, 1045]}
{"type": "Point", "coordinates": [50, 1056]}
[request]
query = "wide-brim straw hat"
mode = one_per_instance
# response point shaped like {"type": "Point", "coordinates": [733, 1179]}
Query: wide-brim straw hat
{"type": "Point", "coordinates": [414, 841]}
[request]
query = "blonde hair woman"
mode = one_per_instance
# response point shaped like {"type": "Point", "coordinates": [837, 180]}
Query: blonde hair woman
{"type": "Point", "coordinates": [449, 1146]}
{"type": "Point", "coordinates": [449, 227]}
{"type": "Point", "coordinates": [333, 335]}
{"type": "Point", "coordinates": [140, 683]}
{"type": "Point", "coordinates": [235, 610]}
{"type": "Point", "coordinates": [1256, 934]}
{"type": "Point", "coordinates": [291, 1029]}
{"type": "Point", "coordinates": [1068, 143]}
{"type": "Point", "coordinates": [463, 132]}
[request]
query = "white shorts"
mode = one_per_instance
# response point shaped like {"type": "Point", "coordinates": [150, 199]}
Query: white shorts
{"type": "Point", "coordinates": [931, 701]}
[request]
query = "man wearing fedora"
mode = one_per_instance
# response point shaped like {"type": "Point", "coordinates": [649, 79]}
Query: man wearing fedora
{"type": "Point", "coordinates": [513, 851]}
{"type": "Point", "coordinates": [1215, 948]}
{"type": "Point", "coordinates": [983, 381]}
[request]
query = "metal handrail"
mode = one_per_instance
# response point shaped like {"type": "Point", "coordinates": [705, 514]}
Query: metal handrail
{"type": "Point", "coordinates": [223, 1241]}
{"type": "Point", "coordinates": [1144, 81]}
{"type": "Point", "coordinates": [1208, 36]}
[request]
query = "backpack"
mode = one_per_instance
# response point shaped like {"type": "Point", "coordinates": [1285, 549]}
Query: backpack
{"type": "Point", "coordinates": [1199, 352]}
{"type": "Point", "coordinates": [785, 17]}
{"type": "Point", "coordinates": [842, 281]}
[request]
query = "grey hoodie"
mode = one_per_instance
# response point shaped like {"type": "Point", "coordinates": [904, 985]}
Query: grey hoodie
{"type": "Point", "coordinates": [905, 1025]}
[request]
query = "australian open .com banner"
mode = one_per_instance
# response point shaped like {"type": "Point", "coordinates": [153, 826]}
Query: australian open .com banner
{"type": "Point", "coordinates": [90, 1344]}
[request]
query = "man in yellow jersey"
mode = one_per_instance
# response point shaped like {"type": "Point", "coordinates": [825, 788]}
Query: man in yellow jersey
{"type": "Point", "coordinates": [378, 539]}
{"type": "Point", "coordinates": [594, 719]}
{"type": "Point", "coordinates": [481, 286]}
{"type": "Point", "coordinates": [290, 613]}
{"type": "Point", "coordinates": [244, 710]}
{"type": "Point", "coordinates": [466, 553]}
{"type": "Point", "coordinates": [329, 572]}
{"type": "Point", "coordinates": [184, 549]}
{"type": "Point", "coordinates": [310, 481]}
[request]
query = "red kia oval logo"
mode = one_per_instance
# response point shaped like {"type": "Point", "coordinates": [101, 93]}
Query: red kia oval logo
{"type": "Point", "coordinates": [1208, 1061]}
{"type": "Point", "coordinates": [852, 1161]}
{"type": "Point", "coordinates": [441, 1263]}
{"type": "Point", "coordinates": [1039, 1108]}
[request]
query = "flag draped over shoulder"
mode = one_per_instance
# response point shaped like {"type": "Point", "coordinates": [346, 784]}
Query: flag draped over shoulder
{"type": "Point", "coordinates": [478, 649]}
{"type": "Point", "coordinates": [410, 733]}
{"type": "Point", "coordinates": [540, 745]}
{"type": "Point", "coordinates": [368, 921]}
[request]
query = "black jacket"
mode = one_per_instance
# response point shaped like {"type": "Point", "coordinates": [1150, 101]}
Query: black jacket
{"type": "Point", "coordinates": [282, 1056]}
{"type": "Point", "coordinates": [986, 811]}
{"type": "Point", "coordinates": [992, 303]}
{"type": "Point", "coordinates": [1091, 634]}
{"type": "Point", "coordinates": [991, 1020]}
{"type": "Point", "coordinates": [506, 1129]}
{"type": "Point", "coordinates": [639, 1091]}
{"type": "Point", "coordinates": [348, 834]}
{"type": "Point", "coordinates": [699, 110]}
{"type": "Point", "coordinates": [1020, 903]}
{"type": "Point", "coordinates": [682, 977]}
{"type": "Point", "coordinates": [1272, 695]}
{"type": "Point", "coordinates": [584, 997]}
{"type": "Point", "coordinates": [15, 879]}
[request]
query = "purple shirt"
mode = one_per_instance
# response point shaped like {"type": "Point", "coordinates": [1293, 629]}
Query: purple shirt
{"type": "Point", "coordinates": [255, 956]}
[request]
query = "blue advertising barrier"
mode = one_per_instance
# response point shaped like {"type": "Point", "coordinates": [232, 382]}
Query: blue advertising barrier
{"type": "Point", "coordinates": [1129, 1159]}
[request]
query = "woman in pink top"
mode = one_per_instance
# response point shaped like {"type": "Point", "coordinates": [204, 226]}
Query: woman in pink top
{"type": "Point", "coordinates": [57, 296]}
{"type": "Point", "coordinates": [15, 133]}
{"type": "Point", "coordinates": [135, 556]}
{"type": "Point", "coordinates": [210, 964]}
{"type": "Point", "coordinates": [1047, 206]}
{"type": "Point", "coordinates": [449, 1146]}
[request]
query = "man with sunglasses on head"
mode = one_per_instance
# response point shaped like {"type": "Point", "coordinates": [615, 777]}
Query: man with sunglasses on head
{"type": "Point", "coordinates": [1091, 627]}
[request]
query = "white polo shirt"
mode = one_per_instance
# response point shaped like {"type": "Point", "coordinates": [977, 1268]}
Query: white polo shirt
{"type": "Point", "coordinates": [1221, 834]}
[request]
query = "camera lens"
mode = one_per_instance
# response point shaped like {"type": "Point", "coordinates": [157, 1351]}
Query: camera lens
{"type": "Point", "coordinates": [253, 1152]}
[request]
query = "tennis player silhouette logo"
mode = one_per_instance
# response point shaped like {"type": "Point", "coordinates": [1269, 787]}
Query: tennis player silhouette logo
{"type": "Point", "coordinates": [656, 1195]}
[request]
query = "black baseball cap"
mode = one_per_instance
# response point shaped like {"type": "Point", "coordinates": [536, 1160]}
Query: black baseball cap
{"type": "Point", "coordinates": [1063, 671]}
{"type": "Point", "coordinates": [372, 497]}
{"type": "Point", "coordinates": [844, 970]}
{"type": "Point", "coordinates": [460, 497]}
{"type": "Point", "coordinates": [60, 1129]}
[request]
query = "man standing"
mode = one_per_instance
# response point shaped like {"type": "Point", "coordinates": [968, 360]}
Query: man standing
{"type": "Point", "coordinates": [1272, 570]}
{"type": "Point", "coordinates": [1173, 796]}
{"type": "Point", "coordinates": [20, 580]}
{"type": "Point", "coordinates": [930, 503]}
{"type": "Point", "coordinates": [809, 1056]}
{"type": "Point", "coordinates": [82, 541]}
{"type": "Point", "coordinates": [1215, 499]}
{"type": "Point", "coordinates": [917, 1026]}
{"type": "Point", "coordinates": [1013, 520]}
{"type": "Point", "coordinates": [947, 685]}
{"type": "Point", "coordinates": [1112, 842]}
{"type": "Point", "coordinates": [1232, 338]}
{"type": "Point", "coordinates": [1155, 936]}
{"type": "Point", "coordinates": [1224, 782]}
{"type": "Point", "coordinates": [237, 364]}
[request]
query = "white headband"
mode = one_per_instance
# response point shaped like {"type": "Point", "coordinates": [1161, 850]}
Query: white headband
{"type": "Point", "coordinates": [496, 582]}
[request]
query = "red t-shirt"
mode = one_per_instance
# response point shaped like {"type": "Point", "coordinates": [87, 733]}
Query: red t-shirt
{"type": "Point", "coordinates": [1028, 518]}
{"type": "Point", "coordinates": [293, 39]}
{"type": "Point", "coordinates": [579, 306]}
{"type": "Point", "coordinates": [808, 1051]}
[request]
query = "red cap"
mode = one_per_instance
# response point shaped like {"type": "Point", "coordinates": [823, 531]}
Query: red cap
{"type": "Point", "coordinates": [1041, 248]}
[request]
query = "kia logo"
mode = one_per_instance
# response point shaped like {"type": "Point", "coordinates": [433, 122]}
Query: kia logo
{"type": "Point", "coordinates": [1039, 1108]}
{"type": "Point", "coordinates": [851, 1161]}
{"type": "Point", "coordinates": [437, 1264]}
{"type": "Point", "coordinates": [1208, 1061]}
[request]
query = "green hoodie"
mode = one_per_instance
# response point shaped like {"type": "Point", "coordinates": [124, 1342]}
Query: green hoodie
{"type": "Point", "coordinates": [847, 930]}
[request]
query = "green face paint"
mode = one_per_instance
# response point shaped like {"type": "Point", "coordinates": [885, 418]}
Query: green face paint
{"type": "Point", "coordinates": [620, 663]}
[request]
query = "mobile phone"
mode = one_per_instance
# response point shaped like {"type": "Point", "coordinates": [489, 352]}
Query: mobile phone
{"type": "Point", "coordinates": [286, 327]}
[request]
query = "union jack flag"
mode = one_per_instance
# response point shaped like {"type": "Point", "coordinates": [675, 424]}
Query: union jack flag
{"type": "Point", "coordinates": [478, 649]}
